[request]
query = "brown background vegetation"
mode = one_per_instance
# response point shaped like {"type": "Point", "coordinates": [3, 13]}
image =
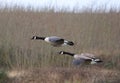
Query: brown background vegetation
{"type": "Point", "coordinates": [96, 33]}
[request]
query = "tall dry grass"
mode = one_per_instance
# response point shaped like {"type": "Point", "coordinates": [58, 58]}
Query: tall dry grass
{"type": "Point", "coordinates": [68, 75]}
{"type": "Point", "coordinates": [96, 33]}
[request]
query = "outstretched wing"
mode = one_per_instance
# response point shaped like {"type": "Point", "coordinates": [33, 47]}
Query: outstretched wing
{"type": "Point", "coordinates": [56, 40]}
{"type": "Point", "coordinates": [78, 61]}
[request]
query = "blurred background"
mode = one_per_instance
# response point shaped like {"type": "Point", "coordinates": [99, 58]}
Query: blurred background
{"type": "Point", "coordinates": [93, 25]}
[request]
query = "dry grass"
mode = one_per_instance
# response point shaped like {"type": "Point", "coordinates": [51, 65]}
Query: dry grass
{"type": "Point", "coordinates": [70, 75]}
{"type": "Point", "coordinates": [16, 73]}
{"type": "Point", "coordinates": [96, 33]}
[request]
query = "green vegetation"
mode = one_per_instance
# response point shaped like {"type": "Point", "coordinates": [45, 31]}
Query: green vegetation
{"type": "Point", "coordinates": [3, 77]}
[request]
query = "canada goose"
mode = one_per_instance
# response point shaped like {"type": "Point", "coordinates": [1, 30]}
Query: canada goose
{"type": "Point", "coordinates": [82, 58]}
{"type": "Point", "coordinates": [54, 40]}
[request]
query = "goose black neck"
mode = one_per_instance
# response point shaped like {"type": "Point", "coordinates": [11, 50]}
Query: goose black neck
{"type": "Point", "coordinates": [71, 54]}
{"type": "Point", "coordinates": [41, 38]}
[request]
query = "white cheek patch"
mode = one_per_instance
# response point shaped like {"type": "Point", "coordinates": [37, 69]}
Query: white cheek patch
{"type": "Point", "coordinates": [62, 53]}
{"type": "Point", "coordinates": [34, 37]}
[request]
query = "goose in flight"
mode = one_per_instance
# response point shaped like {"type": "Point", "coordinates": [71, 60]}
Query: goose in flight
{"type": "Point", "coordinates": [54, 40]}
{"type": "Point", "coordinates": [82, 58]}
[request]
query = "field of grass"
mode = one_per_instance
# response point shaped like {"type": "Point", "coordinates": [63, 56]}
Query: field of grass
{"type": "Point", "coordinates": [38, 62]}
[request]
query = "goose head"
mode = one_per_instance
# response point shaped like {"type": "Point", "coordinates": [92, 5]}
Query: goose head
{"type": "Point", "coordinates": [61, 52]}
{"type": "Point", "coordinates": [34, 37]}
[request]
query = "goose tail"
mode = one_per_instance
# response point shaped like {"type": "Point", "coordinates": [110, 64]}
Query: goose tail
{"type": "Point", "coordinates": [70, 43]}
{"type": "Point", "coordinates": [95, 61]}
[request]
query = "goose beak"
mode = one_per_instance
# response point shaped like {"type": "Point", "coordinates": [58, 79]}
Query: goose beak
{"type": "Point", "coordinates": [58, 52]}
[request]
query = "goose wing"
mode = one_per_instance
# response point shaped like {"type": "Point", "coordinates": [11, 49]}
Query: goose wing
{"type": "Point", "coordinates": [78, 61]}
{"type": "Point", "coordinates": [56, 40]}
{"type": "Point", "coordinates": [81, 56]}
{"type": "Point", "coordinates": [88, 55]}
